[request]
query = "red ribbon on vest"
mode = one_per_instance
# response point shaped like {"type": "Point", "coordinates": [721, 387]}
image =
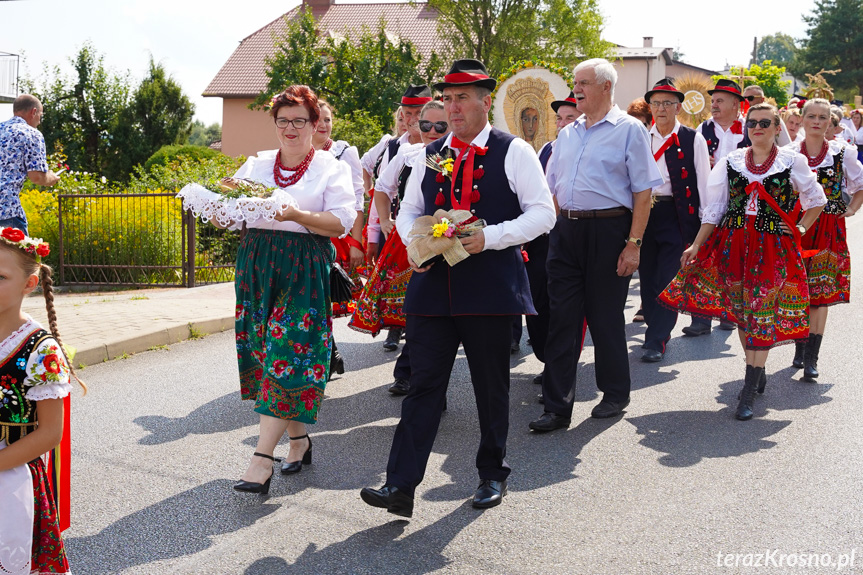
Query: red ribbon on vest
{"type": "Point", "coordinates": [466, 154]}
{"type": "Point", "coordinates": [789, 219]}
{"type": "Point", "coordinates": [737, 127]}
{"type": "Point", "coordinates": [668, 143]}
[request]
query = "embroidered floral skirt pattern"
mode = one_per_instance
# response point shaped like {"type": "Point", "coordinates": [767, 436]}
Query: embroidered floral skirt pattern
{"type": "Point", "coordinates": [829, 270]}
{"type": "Point", "coordinates": [283, 323]}
{"type": "Point", "coordinates": [754, 279]}
{"type": "Point", "coordinates": [379, 305]}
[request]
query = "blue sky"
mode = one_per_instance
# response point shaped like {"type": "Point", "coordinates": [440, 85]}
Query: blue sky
{"type": "Point", "coordinates": [193, 38]}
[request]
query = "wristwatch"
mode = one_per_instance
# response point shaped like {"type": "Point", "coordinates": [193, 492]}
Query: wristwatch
{"type": "Point", "coordinates": [802, 229]}
{"type": "Point", "coordinates": [636, 241]}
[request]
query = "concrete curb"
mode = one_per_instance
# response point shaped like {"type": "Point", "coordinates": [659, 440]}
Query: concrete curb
{"type": "Point", "coordinates": [146, 341]}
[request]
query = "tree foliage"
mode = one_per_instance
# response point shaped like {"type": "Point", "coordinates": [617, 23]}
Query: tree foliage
{"type": "Point", "coordinates": [203, 135]}
{"type": "Point", "coordinates": [365, 71]}
{"type": "Point", "coordinates": [779, 48]}
{"type": "Point", "coordinates": [768, 76]}
{"type": "Point", "coordinates": [499, 32]}
{"type": "Point", "coordinates": [835, 40]}
{"type": "Point", "coordinates": [104, 123]}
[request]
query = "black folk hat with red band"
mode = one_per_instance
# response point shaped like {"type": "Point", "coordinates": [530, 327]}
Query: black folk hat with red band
{"type": "Point", "coordinates": [467, 73]}
{"type": "Point", "coordinates": [568, 101]}
{"type": "Point", "coordinates": [729, 86]}
{"type": "Point", "coordinates": [664, 86]}
{"type": "Point", "coordinates": [416, 96]}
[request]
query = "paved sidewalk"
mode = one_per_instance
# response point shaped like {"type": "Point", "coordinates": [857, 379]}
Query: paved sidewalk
{"type": "Point", "coordinates": [106, 325]}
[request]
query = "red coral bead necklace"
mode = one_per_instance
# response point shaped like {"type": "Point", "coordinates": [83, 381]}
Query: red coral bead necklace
{"type": "Point", "coordinates": [760, 169]}
{"type": "Point", "coordinates": [816, 161]}
{"type": "Point", "coordinates": [278, 168]}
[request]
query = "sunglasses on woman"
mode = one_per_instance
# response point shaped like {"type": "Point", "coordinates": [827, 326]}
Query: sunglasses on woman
{"type": "Point", "coordinates": [439, 127]}
{"type": "Point", "coordinates": [762, 123]}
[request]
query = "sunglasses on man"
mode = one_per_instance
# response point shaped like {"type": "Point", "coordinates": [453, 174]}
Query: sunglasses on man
{"type": "Point", "coordinates": [762, 123]}
{"type": "Point", "coordinates": [439, 127]}
{"type": "Point", "coordinates": [750, 98]}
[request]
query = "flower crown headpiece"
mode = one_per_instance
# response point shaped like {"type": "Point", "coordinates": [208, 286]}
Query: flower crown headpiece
{"type": "Point", "coordinates": [32, 246]}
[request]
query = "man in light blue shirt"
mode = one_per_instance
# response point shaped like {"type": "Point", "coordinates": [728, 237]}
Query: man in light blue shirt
{"type": "Point", "coordinates": [601, 174]}
{"type": "Point", "coordinates": [22, 156]}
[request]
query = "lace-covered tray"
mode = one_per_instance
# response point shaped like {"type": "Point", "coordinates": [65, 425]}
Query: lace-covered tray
{"type": "Point", "coordinates": [208, 205]}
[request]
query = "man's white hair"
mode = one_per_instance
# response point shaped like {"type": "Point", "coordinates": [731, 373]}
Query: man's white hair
{"type": "Point", "coordinates": [603, 69]}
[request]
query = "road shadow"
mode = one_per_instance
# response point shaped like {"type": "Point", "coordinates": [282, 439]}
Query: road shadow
{"type": "Point", "coordinates": [181, 525]}
{"type": "Point", "coordinates": [688, 437]}
{"type": "Point", "coordinates": [378, 550]}
{"type": "Point", "coordinates": [225, 413]}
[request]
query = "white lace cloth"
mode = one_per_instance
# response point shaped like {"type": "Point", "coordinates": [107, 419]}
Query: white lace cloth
{"type": "Point", "coordinates": [324, 187]}
{"type": "Point", "coordinates": [231, 212]}
{"type": "Point", "coordinates": [802, 179]}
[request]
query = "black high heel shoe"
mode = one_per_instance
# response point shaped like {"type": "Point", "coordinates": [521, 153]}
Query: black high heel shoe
{"type": "Point", "coordinates": [297, 466]}
{"type": "Point", "coordinates": [252, 487]}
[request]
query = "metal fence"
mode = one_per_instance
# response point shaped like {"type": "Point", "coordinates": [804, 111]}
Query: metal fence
{"type": "Point", "coordinates": [139, 240]}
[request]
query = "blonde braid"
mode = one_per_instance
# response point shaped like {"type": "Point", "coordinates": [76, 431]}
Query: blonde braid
{"type": "Point", "coordinates": [45, 276]}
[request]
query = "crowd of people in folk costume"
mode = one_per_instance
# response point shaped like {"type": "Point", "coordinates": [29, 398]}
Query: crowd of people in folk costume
{"type": "Point", "coordinates": [741, 220]}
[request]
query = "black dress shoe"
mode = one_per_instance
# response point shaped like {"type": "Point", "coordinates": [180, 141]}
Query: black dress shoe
{"type": "Point", "coordinates": [538, 379]}
{"type": "Point", "coordinates": [390, 498]}
{"type": "Point", "coordinates": [393, 337]}
{"type": "Point", "coordinates": [696, 329]}
{"type": "Point", "coordinates": [514, 348]}
{"type": "Point", "coordinates": [549, 422]}
{"type": "Point", "coordinates": [297, 466]}
{"type": "Point", "coordinates": [727, 325]}
{"type": "Point", "coordinates": [489, 493]}
{"type": "Point", "coordinates": [652, 356]}
{"type": "Point", "coordinates": [606, 408]}
{"type": "Point", "coordinates": [400, 386]}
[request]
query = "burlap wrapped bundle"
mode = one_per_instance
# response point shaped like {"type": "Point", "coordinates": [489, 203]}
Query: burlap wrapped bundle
{"type": "Point", "coordinates": [437, 235]}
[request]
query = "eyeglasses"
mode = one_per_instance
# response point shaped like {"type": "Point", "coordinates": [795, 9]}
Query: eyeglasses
{"type": "Point", "coordinates": [297, 123]}
{"type": "Point", "coordinates": [584, 83]}
{"type": "Point", "coordinates": [762, 123]}
{"type": "Point", "coordinates": [439, 127]}
{"type": "Point", "coordinates": [750, 98]}
{"type": "Point", "coordinates": [665, 104]}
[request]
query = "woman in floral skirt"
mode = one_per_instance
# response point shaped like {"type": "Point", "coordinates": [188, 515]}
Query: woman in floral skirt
{"type": "Point", "coordinates": [283, 319]}
{"type": "Point", "coordinates": [829, 266]}
{"type": "Point", "coordinates": [745, 264]}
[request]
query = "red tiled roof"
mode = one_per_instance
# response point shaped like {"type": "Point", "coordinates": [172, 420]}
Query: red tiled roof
{"type": "Point", "coordinates": [243, 74]}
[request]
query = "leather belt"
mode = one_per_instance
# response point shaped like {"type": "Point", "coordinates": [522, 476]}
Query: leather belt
{"type": "Point", "coordinates": [663, 198]}
{"type": "Point", "coordinates": [609, 213]}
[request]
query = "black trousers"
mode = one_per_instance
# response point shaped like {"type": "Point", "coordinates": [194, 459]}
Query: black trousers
{"type": "Point", "coordinates": [435, 341]}
{"type": "Point", "coordinates": [537, 325]}
{"type": "Point", "coordinates": [660, 261]}
{"type": "Point", "coordinates": [402, 370]}
{"type": "Point", "coordinates": [583, 284]}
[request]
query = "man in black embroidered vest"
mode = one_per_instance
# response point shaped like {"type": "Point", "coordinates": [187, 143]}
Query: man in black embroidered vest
{"type": "Point", "coordinates": [601, 174]}
{"type": "Point", "coordinates": [723, 133]}
{"type": "Point", "coordinates": [683, 161]}
{"type": "Point", "coordinates": [473, 302]}
{"type": "Point", "coordinates": [566, 113]}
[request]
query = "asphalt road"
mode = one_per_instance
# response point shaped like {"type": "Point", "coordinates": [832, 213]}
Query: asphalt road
{"type": "Point", "coordinates": [676, 485]}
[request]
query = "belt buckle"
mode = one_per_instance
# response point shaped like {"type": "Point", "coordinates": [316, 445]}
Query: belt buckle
{"type": "Point", "coordinates": [569, 215]}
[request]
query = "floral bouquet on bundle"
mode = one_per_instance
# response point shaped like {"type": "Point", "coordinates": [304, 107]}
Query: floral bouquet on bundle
{"type": "Point", "coordinates": [230, 201]}
{"type": "Point", "coordinates": [436, 237]}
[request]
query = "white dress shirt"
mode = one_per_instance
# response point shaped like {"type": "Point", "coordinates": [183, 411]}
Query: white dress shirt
{"type": "Point", "coordinates": [802, 179]}
{"type": "Point", "coordinates": [525, 177]}
{"type": "Point", "coordinates": [701, 159]}
{"type": "Point", "coordinates": [373, 230]}
{"type": "Point", "coordinates": [727, 139]}
{"type": "Point", "coordinates": [388, 181]}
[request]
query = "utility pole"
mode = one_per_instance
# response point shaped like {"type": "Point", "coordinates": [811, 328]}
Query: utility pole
{"type": "Point", "coordinates": [754, 51]}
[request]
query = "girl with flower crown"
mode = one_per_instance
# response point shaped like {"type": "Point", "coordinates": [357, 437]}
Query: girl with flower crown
{"type": "Point", "coordinates": [35, 377]}
{"type": "Point", "coordinates": [745, 265]}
